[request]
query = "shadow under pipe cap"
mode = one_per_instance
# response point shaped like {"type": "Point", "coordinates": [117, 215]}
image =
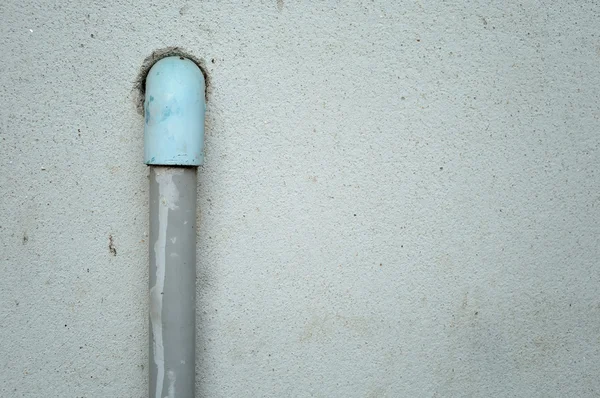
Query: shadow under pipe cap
{"type": "Point", "coordinates": [174, 108]}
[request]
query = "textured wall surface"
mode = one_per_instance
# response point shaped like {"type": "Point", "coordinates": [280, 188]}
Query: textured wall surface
{"type": "Point", "coordinates": [398, 199]}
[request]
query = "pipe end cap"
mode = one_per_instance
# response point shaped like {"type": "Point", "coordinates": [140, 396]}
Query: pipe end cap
{"type": "Point", "coordinates": [174, 109]}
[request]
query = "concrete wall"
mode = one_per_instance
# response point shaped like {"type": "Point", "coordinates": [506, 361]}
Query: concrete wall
{"type": "Point", "coordinates": [399, 198]}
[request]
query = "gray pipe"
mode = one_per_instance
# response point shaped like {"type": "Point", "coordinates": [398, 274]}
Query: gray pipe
{"type": "Point", "coordinates": [172, 281]}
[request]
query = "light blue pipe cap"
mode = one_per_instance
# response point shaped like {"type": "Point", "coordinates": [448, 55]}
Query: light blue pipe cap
{"type": "Point", "coordinates": [174, 109]}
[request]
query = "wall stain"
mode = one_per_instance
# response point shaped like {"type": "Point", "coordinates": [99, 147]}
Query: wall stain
{"type": "Point", "coordinates": [377, 393]}
{"type": "Point", "coordinates": [111, 246]}
{"type": "Point", "coordinates": [324, 327]}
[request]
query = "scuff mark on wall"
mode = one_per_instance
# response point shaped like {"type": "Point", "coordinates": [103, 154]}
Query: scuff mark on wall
{"type": "Point", "coordinates": [111, 246]}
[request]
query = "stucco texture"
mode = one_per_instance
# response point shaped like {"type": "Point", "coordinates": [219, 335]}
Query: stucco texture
{"type": "Point", "coordinates": [398, 198]}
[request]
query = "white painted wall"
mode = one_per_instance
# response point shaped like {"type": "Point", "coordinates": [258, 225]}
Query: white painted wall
{"type": "Point", "coordinates": [399, 198]}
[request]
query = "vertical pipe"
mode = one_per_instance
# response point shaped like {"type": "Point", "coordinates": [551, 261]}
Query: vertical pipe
{"type": "Point", "coordinates": [172, 281]}
{"type": "Point", "coordinates": [173, 140]}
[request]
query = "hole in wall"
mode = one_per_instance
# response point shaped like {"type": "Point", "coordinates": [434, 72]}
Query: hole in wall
{"type": "Point", "coordinates": [139, 87]}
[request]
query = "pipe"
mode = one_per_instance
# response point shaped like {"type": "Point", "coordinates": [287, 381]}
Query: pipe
{"type": "Point", "coordinates": [173, 144]}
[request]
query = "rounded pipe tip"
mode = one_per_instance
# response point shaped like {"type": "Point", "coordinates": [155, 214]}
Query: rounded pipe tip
{"type": "Point", "coordinates": [174, 108]}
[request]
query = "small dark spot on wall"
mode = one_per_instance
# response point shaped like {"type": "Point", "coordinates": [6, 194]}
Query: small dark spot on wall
{"type": "Point", "coordinates": [441, 168]}
{"type": "Point", "coordinates": [111, 246]}
{"type": "Point", "coordinates": [25, 238]}
{"type": "Point", "coordinates": [16, 303]}
{"type": "Point", "coordinates": [476, 312]}
{"type": "Point", "coordinates": [92, 35]}
{"type": "Point", "coordinates": [355, 215]}
{"type": "Point", "coordinates": [212, 60]}
{"type": "Point", "coordinates": [81, 45]}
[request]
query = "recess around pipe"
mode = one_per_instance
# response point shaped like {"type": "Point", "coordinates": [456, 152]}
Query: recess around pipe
{"type": "Point", "coordinates": [139, 85]}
